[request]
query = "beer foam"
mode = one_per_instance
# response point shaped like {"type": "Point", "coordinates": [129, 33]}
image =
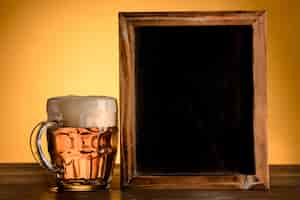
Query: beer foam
{"type": "Point", "coordinates": [83, 111]}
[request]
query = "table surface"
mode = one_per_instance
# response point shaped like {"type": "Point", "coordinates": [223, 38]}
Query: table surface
{"type": "Point", "coordinates": [29, 181]}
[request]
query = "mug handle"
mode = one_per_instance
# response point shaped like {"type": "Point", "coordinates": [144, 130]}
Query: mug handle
{"type": "Point", "coordinates": [39, 154]}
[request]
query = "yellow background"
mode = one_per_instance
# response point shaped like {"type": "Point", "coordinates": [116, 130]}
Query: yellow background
{"type": "Point", "coordinates": [51, 48]}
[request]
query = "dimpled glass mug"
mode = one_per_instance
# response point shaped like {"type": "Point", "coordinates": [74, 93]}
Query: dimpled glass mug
{"type": "Point", "coordinates": [82, 141]}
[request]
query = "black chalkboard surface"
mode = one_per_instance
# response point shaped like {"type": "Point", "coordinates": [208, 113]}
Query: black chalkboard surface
{"type": "Point", "coordinates": [194, 100]}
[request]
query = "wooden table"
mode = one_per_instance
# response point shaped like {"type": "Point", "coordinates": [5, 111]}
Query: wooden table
{"type": "Point", "coordinates": [29, 181]}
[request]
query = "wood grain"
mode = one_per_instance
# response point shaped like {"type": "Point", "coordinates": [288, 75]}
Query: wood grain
{"type": "Point", "coordinates": [30, 181]}
{"type": "Point", "coordinates": [260, 100]}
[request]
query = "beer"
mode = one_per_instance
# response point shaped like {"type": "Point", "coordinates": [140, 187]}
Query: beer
{"type": "Point", "coordinates": [82, 141]}
{"type": "Point", "coordinates": [85, 154]}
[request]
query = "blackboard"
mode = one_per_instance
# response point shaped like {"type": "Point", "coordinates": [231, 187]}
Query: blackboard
{"type": "Point", "coordinates": [193, 103]}
{"type": "Point", "coordinates": [194, 100]}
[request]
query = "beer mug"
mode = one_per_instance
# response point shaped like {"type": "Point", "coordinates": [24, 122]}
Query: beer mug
{"type": "Point", "coordinates": [82, 141]}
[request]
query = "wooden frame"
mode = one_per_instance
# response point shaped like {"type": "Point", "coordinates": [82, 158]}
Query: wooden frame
{"type": "Point", "coordinates": [129, 175]}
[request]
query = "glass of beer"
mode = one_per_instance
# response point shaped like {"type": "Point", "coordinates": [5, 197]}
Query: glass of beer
{"type": "Point", "coordinates": [82, 141]}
